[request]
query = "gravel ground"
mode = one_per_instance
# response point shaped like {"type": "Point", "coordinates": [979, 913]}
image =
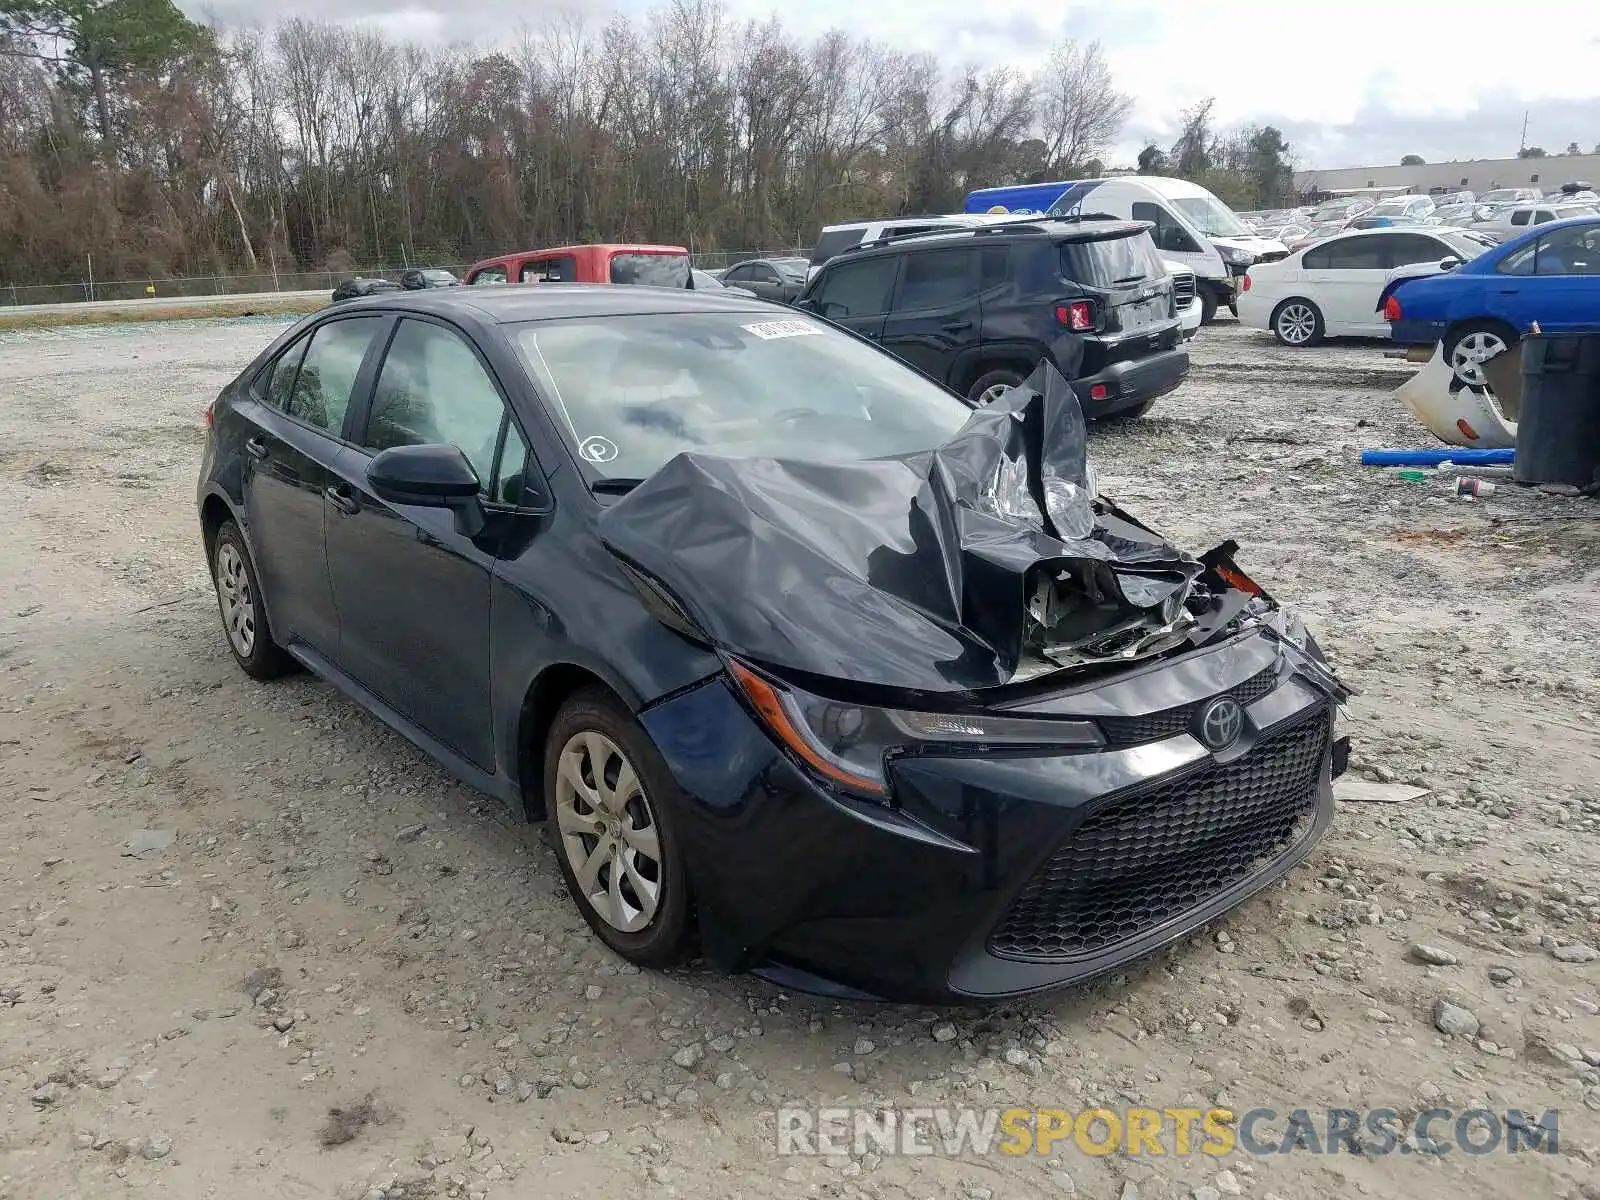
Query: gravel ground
{"type": "Point", "coordinates": [323, 921]}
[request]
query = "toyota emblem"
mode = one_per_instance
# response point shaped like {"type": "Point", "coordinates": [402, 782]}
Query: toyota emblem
{"type": "Point", "coordinates": [1221, 723]}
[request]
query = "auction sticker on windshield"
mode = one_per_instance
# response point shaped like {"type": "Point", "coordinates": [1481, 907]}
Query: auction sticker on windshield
{"type": "Point", "coordinates": [769, 330]}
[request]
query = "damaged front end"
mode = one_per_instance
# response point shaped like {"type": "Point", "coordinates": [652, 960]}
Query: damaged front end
{"type": "Point", "coordinates": [985, 562]}
{"type": "Point", "coordinates": [999, 734]}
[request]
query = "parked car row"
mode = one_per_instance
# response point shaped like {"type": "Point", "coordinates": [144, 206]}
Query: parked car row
{"type": "Point", "coordinates": [1091, 295]}
{"type": "Point", "coordinates": [1549, 275]}
{"type": "Point", "coordinates": [1331, 288]}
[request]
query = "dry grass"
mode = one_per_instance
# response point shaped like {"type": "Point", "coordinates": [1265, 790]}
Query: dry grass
{"type": "Point", "coordinates": [159, 311]}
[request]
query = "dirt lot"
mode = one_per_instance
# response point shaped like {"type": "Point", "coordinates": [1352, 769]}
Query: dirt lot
{"type": "Point", "coordinates": [335, 920]}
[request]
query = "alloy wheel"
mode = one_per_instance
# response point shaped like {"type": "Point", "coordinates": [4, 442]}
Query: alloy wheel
{"type": "Point", "coordinates": [608, 831]}
{"type": "Point", "coordinates": [991, 394]}
{"type": "Point", "coordinates": [1296, 324]}
{"type": "Point", "coordinates": [1472, 352]}
{"type": "Point", "coordinates": [236, 599]}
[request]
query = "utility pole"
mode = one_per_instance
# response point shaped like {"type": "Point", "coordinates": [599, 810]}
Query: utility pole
{"type": "Point", "coordinates": [1523, 144]}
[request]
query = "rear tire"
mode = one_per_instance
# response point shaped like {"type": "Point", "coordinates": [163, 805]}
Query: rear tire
{"type": "Point", "coordinates": [244, 616]}
{"type": "Point", "coordinates": [613, 806]}
{"type": "Point", "coordinates": [1208, 307]}
{"type": "Point", "coordinates": [1472, 343]}
{"type": "Point", "coordinates": [1297, 323]}
{"type": "Point", "coordinates": [996, 382]}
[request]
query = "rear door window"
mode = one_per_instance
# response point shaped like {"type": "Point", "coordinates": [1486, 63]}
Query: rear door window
{"type": "Point", "coordinates": [495, 274]}
{"type": "Point", "coordinates": [857, 289]}
{"type": "Point", "coordinates": [936, 279]}
{"type": "Point", "coordinates": [651, 270]}
{"type": "Point", "coordinates": [1408, 248]}
{"type": "Point", "coordinates": [995, 268]}
{"type": "Point", "coordinates": [276, 384]}
{"type": "Point", "coordinates": [1107, 262]}
{"type": "Point", "coordinates": [327, 377]}
{"type": "Point", "coordinates": [1356, 254]}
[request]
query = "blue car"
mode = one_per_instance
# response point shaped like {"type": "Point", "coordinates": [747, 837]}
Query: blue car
{"type": "Point", "coordinates": [1483, 307]}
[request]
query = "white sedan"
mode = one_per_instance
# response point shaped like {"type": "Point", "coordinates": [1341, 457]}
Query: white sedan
{"type": "Point", "coordinates": [1330, 288]}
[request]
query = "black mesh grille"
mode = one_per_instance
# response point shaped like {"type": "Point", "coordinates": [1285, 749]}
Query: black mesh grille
{"type": "Point", "coordinates": [1153, 855]}
{"type": "Point", "coordinates": [1169, 722]}
{"type": "Point", "coordinates": [1182, 289]}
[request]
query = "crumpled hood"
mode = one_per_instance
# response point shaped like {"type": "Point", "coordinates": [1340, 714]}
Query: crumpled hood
{"type": "Point", "coordinates": [940, 572]}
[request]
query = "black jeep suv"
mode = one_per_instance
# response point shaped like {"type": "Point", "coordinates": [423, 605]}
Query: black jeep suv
{"type": "Point", "coordinates": [977, 309]}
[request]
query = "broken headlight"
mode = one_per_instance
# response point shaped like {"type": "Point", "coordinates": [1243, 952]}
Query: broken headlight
{"type": "Point", "coordinates": [848, 744]}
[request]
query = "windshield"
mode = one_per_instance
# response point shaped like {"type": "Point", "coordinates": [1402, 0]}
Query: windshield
{"type": "Point", "coordinates": [791, 268]}
{"type": "Point", "coordinates": [704, 281]}
{"type": "Point", "coordinates": [632, 392]}
{"type": "Point", "coordinates": [652, 270]}
{"type": "Point", "coordinates": [1211, 217]}
{"type": "Point", "coordinates": [1467, 245]}
{"type": "Point", "coordinates": [438, 276]}
{"type": "Point", "coordinates": [1335, 210]}
{"type": "Point", "coordinates": [1106, 262]}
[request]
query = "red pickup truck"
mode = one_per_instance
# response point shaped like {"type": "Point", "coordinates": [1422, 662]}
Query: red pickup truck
{"type": "Point", "coordinates": [657, 266]}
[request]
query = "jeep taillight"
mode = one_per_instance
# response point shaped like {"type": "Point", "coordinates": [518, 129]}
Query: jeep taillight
{"type": "Point", "coordinates": [1077, 315]}
{"type": "Point", "coordinates": [1391, 309]}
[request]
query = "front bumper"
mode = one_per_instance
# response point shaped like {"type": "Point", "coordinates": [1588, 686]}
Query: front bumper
{"type": "Point", "coordinates": [1190, 315]}
{"type": "Point", "coordinates": [1131, 383]}
{"type": "Point", "coordinates": [1001, 874]}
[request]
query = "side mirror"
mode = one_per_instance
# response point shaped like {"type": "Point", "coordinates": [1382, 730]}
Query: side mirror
{"type": "Point", "coordinates": [429, 477]}
{"type": "Point", "coordinates": [1449, 263]}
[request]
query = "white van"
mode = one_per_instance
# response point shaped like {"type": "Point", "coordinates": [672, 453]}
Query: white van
{"type": "Point", "coordinates": [1192, 226]}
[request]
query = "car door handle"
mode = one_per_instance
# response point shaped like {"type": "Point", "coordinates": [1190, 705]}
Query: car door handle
{"type": "Point", "coordinates": [956, 326]}
{"type": "Point", "coordinates": [339, 496]}
{"type": "Point", "coordinates": [255, 448]}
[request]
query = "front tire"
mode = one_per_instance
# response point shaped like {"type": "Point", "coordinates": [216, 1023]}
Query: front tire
{"type": "Point", "coordinates": [244, 617]}
{"type": "Point", "coordinates": [613, 804]}
{"type": "Point", "coordinates": [1297, 323]}
{"type": "Point", "coordinates": [1208, 307]}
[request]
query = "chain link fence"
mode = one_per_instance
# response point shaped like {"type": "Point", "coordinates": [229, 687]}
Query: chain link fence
{"type": "Point", "coordinates": [265, 282]}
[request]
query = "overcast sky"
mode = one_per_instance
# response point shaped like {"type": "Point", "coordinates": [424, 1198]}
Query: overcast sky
{"type": "Point", "coordinates": [1350, 82]}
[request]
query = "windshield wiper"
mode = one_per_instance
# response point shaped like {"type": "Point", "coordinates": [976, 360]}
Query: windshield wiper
{"type": "Point", "coordinates": [618, 486]}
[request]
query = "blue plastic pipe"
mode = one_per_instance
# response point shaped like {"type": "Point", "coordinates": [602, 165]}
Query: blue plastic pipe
{"type": "Point", "coordinates": [1432, 458]}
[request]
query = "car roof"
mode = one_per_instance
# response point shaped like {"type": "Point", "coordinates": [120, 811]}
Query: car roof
{"type": "Point", "coordinates": [508, 304]}
{"type": "Point", "coordinates": [957, 219]}
{"type": "Point", "coordinates": [1058, 229]}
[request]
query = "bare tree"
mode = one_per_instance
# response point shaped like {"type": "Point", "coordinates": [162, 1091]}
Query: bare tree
{"type": "Point", "coordinates": [1081, 111]}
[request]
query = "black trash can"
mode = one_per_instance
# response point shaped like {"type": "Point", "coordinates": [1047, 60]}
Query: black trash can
{"type": "Point", "coordinates": [1558, 428]}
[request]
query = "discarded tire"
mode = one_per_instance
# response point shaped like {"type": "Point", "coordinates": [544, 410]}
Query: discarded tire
{"type": "Point", "coordinates": [1558, 429]}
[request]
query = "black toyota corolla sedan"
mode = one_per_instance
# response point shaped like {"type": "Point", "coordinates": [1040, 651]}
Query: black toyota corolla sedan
{"type": "Point", "coordinates": [809, 664]}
